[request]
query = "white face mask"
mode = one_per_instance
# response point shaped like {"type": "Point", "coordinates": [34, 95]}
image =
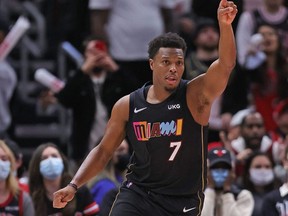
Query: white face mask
{"type": "Point", "coordinates": [4, 169]}
{"type": "Point", "coordinates": [51, 168]}
{"type": "Point", "coordinates": [261, 177]}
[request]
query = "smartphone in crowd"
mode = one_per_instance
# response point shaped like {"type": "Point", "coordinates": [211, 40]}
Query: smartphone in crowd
{"type": "Point", "coordinates": [101, 45]}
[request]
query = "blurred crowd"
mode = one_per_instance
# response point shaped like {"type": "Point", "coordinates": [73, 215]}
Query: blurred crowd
{"type": "Point", "coordinates": [248, 127]}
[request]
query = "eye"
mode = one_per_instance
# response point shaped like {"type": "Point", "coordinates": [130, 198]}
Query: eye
{"type": "Point", "coordinates": [166, 62]}
{"type": "Point", "coordinates": [180, 63]}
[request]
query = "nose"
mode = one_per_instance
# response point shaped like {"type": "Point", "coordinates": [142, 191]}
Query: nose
{"type": "Point", "coordinates": [173, 68]}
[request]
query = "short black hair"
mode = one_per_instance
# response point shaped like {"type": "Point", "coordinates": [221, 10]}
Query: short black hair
{"type": "Point", "coordinates": [167, 40]}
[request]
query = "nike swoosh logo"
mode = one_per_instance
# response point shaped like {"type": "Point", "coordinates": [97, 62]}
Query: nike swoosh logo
{"type": "Point", "coordinates": [187, 210]}
{"type": "Point", "coordinates": [139, 110]}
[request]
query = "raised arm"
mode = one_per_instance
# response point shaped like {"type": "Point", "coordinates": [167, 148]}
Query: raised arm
{"type": "Point", "coordinates": [100, 155]}
{"type": "Point", "coordinates": [204, 89]}
{"type": "Point", "coordinates": [216, 78]}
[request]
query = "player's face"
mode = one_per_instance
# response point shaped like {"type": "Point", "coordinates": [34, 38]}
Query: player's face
{"type": "Point", "coordinates": [168, 67]}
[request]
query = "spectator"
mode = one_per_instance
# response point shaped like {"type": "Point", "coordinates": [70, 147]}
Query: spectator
{"type": "Point", "coordinates": [90, 93]}
{"type": "Point", "coordinates": [259, 178]}
{"type": "Point", "coordinates": [112, 176]}
{"type": "Point", "coordinates": [222, 196]}
{"type": "Point", "coordinates": [206, 40]}
{"type": "Point", "coordinates": [19, 166]}
{"type": "Point", "coordinates": [253, 138]}
{"type": "Point", "coordinates": [128, 26]}
{"type": "Point", "coordinates": [280, 115]}
{"type": "Point", "coordinates": [280, 136]}
{"type": "Point", "coordinates": [271, 12]}
{"type": "Point", "coordinates": [268, 81]}
{"type": "Point", "coordinates": [14, 201]}
{"type": "Point", "coordinates": [48, 171]}
{"type": "Point", "coordinates": [8, 81]}
{"type": "Point", "coordinates": [275, 202]}
{"type": "Point", "coordinates": [234, 130]}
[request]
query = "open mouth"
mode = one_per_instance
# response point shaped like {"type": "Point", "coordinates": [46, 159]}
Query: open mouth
{"type": "Point", "coordinates": [171, 79]}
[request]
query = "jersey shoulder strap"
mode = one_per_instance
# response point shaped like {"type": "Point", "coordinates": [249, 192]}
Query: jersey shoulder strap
{"type": "Point", "coordinates": [20, 202]}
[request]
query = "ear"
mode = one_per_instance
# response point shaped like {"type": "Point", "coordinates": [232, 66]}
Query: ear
{"type": "Point", "coordinates": [151, 63]}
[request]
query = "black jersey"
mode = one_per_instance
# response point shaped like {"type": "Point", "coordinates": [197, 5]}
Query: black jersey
{"type": "Point", "coordinates": [169, 147]}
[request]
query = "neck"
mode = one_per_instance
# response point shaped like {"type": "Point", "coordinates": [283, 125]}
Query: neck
{"type": "Point", "coordinates": [158, 95]}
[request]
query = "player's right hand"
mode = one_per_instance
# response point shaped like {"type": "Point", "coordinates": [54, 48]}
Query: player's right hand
{"type": "Point", "coordinates": [63, 196]}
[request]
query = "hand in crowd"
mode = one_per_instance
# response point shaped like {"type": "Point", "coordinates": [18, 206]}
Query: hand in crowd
{"type": "Point", "coordinates": [226, 119]}
{"type": "Point", "coordinates": [96, 58]}
{"type": "Point", "coordinates": [47, 98]}
{"type": "Point", "coordinates": [225, 140]}
{"type": "Point", "coordinates": [226, 12]}
{"type": "Point", "coordinates": [243, 155]}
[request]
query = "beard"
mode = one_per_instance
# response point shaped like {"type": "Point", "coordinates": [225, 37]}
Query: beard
{"type": "Point", "coordinates": [209, 48]}
{"type": "Point", "coordinates": [170, 89]}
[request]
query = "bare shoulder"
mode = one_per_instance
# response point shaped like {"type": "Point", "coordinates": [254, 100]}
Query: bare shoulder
{"type": "Point", "coordinates": [197, 101]}
{"type": "Point", "coordinates": [121, 108]}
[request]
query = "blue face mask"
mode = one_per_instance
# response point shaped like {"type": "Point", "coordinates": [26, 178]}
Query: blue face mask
{"type": "Point", "coordinates": [219, 176]}
{"type": "Point", "coordinates": [4, 169]}
{"type": "Point", "coordinates": [51, 168]}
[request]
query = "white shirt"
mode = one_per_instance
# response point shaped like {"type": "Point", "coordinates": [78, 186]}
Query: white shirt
{"type": "Point", "coordinates": [132, 24]}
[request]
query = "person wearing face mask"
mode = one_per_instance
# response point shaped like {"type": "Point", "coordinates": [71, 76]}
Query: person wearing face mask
{"type": "Point", "coordinates": [275, 202]}
{"type": "Point", "coordinates": [259, 178]}
{"type": "Point", "coordinates": [222, 196]}
{"type": "Point", "coordinates": [48, 171]}
{"type": "Point", "coordinates": [13, 200]}
{"type": "Point", "coordinates": [112, 176]}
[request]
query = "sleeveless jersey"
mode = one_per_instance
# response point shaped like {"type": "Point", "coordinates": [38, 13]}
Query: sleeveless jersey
{"type": "Point", "coordinates": [169, 147]}
{"type": "Point", "coordinates": [13, 205]}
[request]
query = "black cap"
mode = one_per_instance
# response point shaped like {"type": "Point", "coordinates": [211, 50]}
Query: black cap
{"type": "Point", "coordinates": [219, 154]}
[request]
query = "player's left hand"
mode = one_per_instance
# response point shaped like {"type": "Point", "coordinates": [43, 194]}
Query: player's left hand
{"type": "Point", "coordinates": [227, 11]}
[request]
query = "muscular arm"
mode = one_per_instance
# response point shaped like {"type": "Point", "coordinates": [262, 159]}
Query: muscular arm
{"type": "Point", "coordinates": [216, 78]}
{"type": "Point", "coordinates": [203, 90]}
{"type": "Point", "coordinates": [101, 154]}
